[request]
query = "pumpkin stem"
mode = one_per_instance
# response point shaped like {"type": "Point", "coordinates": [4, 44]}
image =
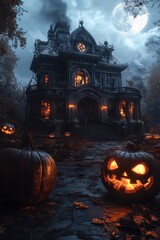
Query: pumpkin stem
{"type": "Point", "coordinates": [131, 146]}
{"type": "Point", "coordinates": [27, 141]}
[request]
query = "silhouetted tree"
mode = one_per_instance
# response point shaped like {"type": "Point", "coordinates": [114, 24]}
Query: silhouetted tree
{"type": "Point", "coordinates": [11, 94]}
{"type": "Point", "coordinates": [153, 99]}
{"type": "Point", "coordinates": [137, 7]}
{"type": "Point", "coordinates": [153, 44]}
{"type": "Point", "coordinates": [10, 13]}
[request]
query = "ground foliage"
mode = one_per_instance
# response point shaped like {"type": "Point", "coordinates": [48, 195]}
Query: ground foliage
{"type": "Point", "coordinates": [80, 207]}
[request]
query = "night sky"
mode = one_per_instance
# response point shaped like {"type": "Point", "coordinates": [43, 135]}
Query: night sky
{"type": "Point", "coordinates": [97, 17]}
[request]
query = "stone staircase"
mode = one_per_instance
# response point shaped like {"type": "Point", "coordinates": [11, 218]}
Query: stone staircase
{"type": "Point", "coordinates": [99, 132]}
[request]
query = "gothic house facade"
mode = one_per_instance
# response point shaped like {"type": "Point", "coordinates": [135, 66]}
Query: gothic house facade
{"type": "Point", "coordinates": [77, 80]}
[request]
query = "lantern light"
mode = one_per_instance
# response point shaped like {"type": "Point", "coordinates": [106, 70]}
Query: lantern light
{"type": "Point", "coordinates": [71, 106]}
{"type": "Point", "coordinates": [67, 134]}
{"type": "Point", "coordinates": [104, 107]}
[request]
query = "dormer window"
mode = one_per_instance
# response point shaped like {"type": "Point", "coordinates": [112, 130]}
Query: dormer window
{"type": "Point", "coordinates": [45, 110]}
{"type": "Point", "coordinates": [80, 78]}
{"type": "Point", "coordinates": [46, 78]}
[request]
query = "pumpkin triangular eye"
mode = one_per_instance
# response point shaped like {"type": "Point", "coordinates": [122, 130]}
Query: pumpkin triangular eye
{"type": "Point", "coordinates": [112, 165]}
{"type": "Point", "coordinates": [140, 168]}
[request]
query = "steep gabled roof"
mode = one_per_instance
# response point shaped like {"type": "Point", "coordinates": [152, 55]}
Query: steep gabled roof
{"type": "Point", "coordinates": [82, 34]}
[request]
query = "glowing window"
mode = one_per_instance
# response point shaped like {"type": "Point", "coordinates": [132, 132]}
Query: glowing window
{"type": "Point", "coordinates": [46, 78]}
{"type": "Point", "coordinates": [131, 110]}
{"type": "Point", "coordinates": [122, 109]}
{"type": "Point", "coordinates": [80, 78]}
{"type": "Point", "coordinates": [45, 110]}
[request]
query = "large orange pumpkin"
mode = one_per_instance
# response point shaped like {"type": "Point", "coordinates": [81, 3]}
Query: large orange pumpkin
{"type": "Point", "coordinates": [131, 175]}
{"type": "Point", "coordinates": [26, 176]}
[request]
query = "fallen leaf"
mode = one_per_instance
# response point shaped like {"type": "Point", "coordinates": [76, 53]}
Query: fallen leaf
{"type": "Point", "coordinates": [139, 220]}
{"type": "Point", "coordinates": [151, 233]}
{"type": "Point", "coordinates": [154, 218]}
{"type": "Point", "coordinates": [114, 214]}
{"type": "Point", "coordinates": [118, 225]}
{"type": "Point", "coordinates": [80, 205]}
{"type": "Point", "coordinates": [97, 221]}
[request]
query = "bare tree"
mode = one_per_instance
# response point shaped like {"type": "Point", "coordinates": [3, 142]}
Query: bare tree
{"type": "Point", "coordinates": [137, 7]}
{"type": "Point", "coordinates": [10, 91]}
{"type": "Point", "coordinates": [10, 33]}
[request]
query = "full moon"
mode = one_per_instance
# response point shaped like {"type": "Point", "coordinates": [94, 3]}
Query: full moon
{"type": "Point", "coordinates": [126, 23]}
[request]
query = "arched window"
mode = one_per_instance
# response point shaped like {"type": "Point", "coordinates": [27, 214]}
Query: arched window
{"type": "Point", "coordinates": [45, 110]}
{"type": "Point", "coordinates": [46, 78]}
{"type": "Point", "coordinates": [80, 78]}
{"type": "Point", "coordinates": [122, 109]}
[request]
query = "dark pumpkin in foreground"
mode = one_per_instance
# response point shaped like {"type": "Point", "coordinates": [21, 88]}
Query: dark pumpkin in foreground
{"type": "Point", "coordinates": [26, 176]}
{"type": "Point", "coordinates": [131, 176]}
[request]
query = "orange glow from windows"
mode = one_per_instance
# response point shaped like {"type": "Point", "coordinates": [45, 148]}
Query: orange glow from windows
{"type": "Point", "coordinates": [131, 110]}
{"type": "Point", "coordinates": [122, 106]}
{"type": "Point", "coordinates": [46, 78]}
{"type": "Point", "coordinates": [80, 78]}
{"type": "Point", "coordinates": [45, 110]}
{"type": "Point", "coordinates": [104, 107]}
{"type": "Point", "coordinates": [71, 106]}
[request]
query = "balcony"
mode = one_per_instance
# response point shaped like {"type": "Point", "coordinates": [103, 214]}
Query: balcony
{"type": "Point", "coordinates": [123, 90]}
{"type": "Point", "coordinates": [34, 87]}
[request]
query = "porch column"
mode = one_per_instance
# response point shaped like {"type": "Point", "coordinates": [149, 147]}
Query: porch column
{"type": "Point", "coordinates": [127, 110]}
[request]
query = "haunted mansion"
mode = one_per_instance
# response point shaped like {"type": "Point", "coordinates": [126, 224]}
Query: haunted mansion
{"type": "Point", "coordinates": [78, 81]}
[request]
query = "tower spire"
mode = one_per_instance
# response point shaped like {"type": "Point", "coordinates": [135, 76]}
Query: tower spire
{"type": "Point", "coordinates": [81, 22]}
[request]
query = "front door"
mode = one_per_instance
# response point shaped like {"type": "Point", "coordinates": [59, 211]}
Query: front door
{"type": "Point", "coordinates": [88, 111]}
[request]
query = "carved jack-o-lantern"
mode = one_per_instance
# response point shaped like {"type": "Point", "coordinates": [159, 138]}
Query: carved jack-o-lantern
{"type": "Point", "coordinates": [8, 129]}
{"type": "Point", "coordinates": [132, 176]}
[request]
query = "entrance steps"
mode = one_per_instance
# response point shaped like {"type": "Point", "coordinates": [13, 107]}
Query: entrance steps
{"type": "Point", "coordinates": [99, 132]}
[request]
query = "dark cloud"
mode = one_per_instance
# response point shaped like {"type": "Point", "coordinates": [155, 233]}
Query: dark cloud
{"type": "Point", "coordinates": [53, 11]}
{"type": "Point", "coordinates": [97, 20]}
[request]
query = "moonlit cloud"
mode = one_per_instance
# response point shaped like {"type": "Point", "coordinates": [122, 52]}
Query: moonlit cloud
{"type": "Point", "coordinates": [97, 17]}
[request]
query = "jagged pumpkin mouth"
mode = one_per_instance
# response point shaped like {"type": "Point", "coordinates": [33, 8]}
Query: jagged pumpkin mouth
{"type": "Point", "coordinates": [125, 183]}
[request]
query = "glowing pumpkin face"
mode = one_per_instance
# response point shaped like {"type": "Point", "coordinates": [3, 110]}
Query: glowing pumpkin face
{"type": "Point", "coordinates": [131, 175]}
{"type": "Point", "coordinates": [8, 129]}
